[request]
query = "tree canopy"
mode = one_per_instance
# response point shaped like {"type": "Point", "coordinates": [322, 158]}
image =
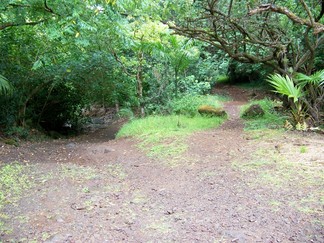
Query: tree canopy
{"type": "Point", "coordinates": [59, 57]}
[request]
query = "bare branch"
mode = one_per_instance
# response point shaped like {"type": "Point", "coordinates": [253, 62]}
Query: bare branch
{"type": "Point", "coordinates": [318, 18]}
{"type": "Point", "coordinates": [318, 27]}
{"type": "Point", "coordinates": [48, 9]}
{"type": "Point", "coordinates": [11, 24]}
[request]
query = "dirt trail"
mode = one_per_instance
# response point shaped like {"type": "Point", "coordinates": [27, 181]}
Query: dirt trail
{"type": "Point", "coordinates": [90, 189]}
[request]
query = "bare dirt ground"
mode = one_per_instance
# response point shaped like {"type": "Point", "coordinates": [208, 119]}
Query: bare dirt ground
{"type": "Point", "coordinates": [230, 186]}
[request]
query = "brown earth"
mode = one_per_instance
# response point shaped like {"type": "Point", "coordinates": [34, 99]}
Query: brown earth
{"type": "Point", "coordinates": [230, 186]}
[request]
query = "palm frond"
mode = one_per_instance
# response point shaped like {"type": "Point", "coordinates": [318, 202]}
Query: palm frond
{"type": "Point", "coordinates": [285, 86]}
{"type": "Point", "coordinates": [316, 79]}
{"type": "Point", "coordinates": [5, 87]}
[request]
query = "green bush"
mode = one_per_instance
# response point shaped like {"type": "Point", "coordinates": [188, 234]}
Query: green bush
{"type": "Point", "coordinates": [191, 85]}
{"type": "Point", "coordinates": [18, 132]}
{"type": "Point", "coordinates": [126, 113]}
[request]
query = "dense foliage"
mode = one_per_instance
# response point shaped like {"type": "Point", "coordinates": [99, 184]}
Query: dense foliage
{"type": "Point", "coordinates": [60, 57]}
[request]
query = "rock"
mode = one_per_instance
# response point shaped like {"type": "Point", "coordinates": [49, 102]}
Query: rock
{"type": "Point", "coordinates": [71, 145]}
{"type": "Point", "coordinates": [211, 111]}
{"type": "Point", "coordinates": [253, 111]}
{"type": "Point", "coordinates": [106, 151]}
{"type": "Point", "coordinates": [98, 120]}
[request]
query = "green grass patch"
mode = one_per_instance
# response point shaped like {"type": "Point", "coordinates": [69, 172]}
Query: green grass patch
{"type": "Point", "coordinates": [270, 120]}
{"type": "Point", "coordinates": [189, 104]}
{"type": "Point", "coordinates": [13, 182]}
{"type": "Point", "coordinates": [164, 136]}
{"type": "Point", "coordinates": [223, 78]}
{"type": "Point", "coordinates": [273, 170]}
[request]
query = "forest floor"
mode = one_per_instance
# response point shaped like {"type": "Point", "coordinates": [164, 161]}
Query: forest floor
{"type": "Point", "coordinates": [231, 185]}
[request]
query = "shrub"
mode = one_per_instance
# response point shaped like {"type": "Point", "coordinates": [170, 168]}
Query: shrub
{"type": "Point", "coordinates": [192, 86]}
{"type": "Point", "coordinates": [126, 113]}
{"type": "Point", "coordinates": [18, 132]}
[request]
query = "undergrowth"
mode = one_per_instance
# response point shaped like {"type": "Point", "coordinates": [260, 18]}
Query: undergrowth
{"type": "Point", "coordinates": [270, 120]}
{"type": "Point", "coordinates": [164, 136]}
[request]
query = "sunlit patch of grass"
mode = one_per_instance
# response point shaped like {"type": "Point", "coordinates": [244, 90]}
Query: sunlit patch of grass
{"type": "Point", "coordinates": [164, 136]}
{"type": "Point", "coordinates": [308, 204]}
{"type": "Point", "coordinates": [116, 171]}
{"type": "Point", "coordinates": [263, 133]}
{"type": "Point", "coordinates": [270, 120]}
{"type": "Point", "coordinates": [14, 180]}
{"type": "Point", "coordinates": [303, 149]}
{"type": "Point", "coordinates": [274, 171]}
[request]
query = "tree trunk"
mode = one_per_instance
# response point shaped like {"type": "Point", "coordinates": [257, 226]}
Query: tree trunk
{"type": "Point", "coordinates": [139, 79]}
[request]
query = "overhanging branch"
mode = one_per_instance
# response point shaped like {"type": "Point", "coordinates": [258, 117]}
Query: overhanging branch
{"type": "Point", "coordinates": [12, 24]}
{"type": "Point", "coordinates": [318, 27]}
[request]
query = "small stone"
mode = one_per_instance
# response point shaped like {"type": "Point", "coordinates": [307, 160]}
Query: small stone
{"type": "Point", "coordinates": [59, 220]}
{"type": "Point", "coordinates": [71, 145]}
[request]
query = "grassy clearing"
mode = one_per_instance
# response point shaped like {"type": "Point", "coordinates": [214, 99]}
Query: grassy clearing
{"type": "Point", "coordinates": [13, 182]}
{"type": "Point", "coordinates": [164, 136]}
{"type": "Point", "coordinates": [270, 120]}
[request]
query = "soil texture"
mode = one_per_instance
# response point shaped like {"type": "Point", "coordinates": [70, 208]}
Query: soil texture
{"type": "Point", "coordinates": [229, 186]}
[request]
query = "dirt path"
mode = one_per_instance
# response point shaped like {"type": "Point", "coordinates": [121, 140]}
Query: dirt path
{"type": "Point", "coordinates": [90, 189]}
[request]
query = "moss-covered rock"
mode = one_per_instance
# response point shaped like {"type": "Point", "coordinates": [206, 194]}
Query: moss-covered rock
{"type": "Point", "coordinates": [211, 111]}
{"type": "Point", "coordinates": [253, 111]}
